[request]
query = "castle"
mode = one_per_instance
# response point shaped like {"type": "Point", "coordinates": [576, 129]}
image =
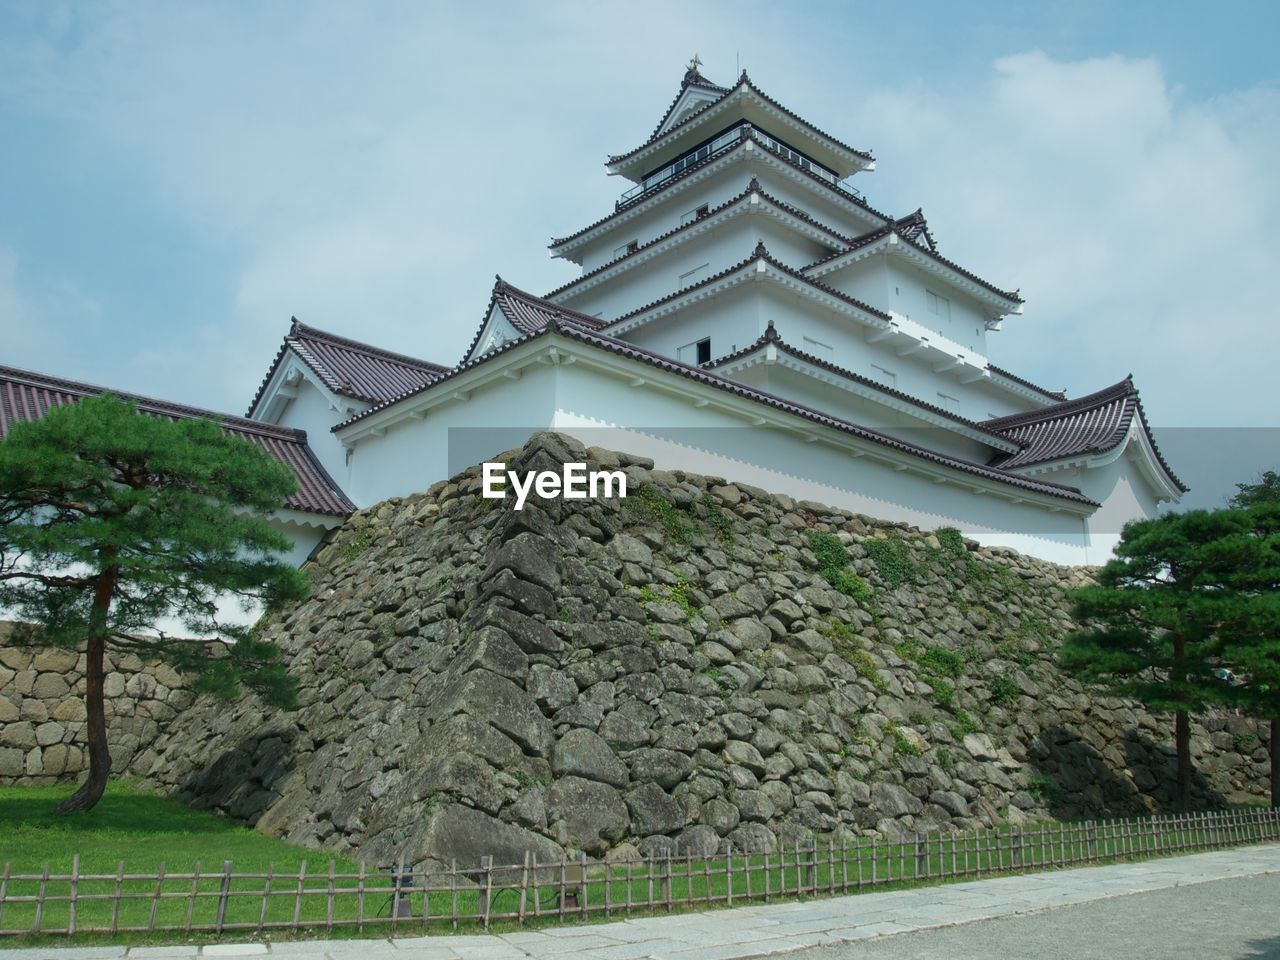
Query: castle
{"type": "Point", "coordinates": [745, 312]}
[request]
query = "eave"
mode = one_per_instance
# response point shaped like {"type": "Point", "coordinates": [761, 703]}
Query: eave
{"type": "Point", "coordinates": [1000, 303]}
{"type": "Point", "coordinates": [771, 350]}
{"type": "Point", "coordinates": [752, 202]}
{"type": "Point", "coordinates": [566, 345]}
{"type": "Point", "coordinates": [743, 102]}
{"type": "Point", "coordinates": [748, 149]}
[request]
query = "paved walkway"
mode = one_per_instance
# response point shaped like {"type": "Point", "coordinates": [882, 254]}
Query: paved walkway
{"type": "Point", "coordinates": [749, 931]}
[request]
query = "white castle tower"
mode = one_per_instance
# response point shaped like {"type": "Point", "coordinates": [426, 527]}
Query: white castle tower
{"type": "Point", "coordinates": [744, 311]}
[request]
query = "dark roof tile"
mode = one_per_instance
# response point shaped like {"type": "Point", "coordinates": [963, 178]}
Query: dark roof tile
{"type": "Point", "coordinates": [574, 329]}
{"type": "Point", "coordinates": [26, 395]}
{"type": "Point", "coordinates": [350, 368]}
{"type": "Point", "coordinates": [1085, 426]}
{"type": "Point", "coordinates": [728, 92]}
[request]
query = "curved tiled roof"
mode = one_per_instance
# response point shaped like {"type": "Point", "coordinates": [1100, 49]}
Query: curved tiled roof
{"type": "Point", "coordinates": [760, 253]}
{"type": "Point", "coordinates": [771, 336]}
{"type": "Point", "coordinates": [688, 171]}
{"type": "Point", "coordinates": [909, 229]}
{"type": "Point", "coordinates": [743, 80]}
{"type": "Point", "coordinates": [574, 329]}
{"type": "Point", "coordinates": [527, 313]}
{"type": "Point", "coordinates": [692, 78]}
{"type": "Point", "coordinates": [752, 187]}
{"type": "Point", "coordinates": [350, 368]}
{"type": "Point", "coordinates": [26, 395]}
{"type": "Point", "coordinates": [1086, 426]}
{"type": "Point", "coordinates": [1051, 394]}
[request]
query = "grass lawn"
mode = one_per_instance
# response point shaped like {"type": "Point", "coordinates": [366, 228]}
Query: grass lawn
{"type": "Point", "coordinates": [282, 891]}
{"type": "Point", "coordinates": [134, 825]}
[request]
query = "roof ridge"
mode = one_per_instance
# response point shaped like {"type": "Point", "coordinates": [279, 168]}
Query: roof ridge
{"type": "Point", "coordinates": [301, 329]}
{"type": "Point", "coordinates": [1066, 407]}
{"type": "Point", "coordinates": [759, 253]}
{"type": "Point", "coordinates": [605, 341]}
{"type": "Point", "coordinates": [1057, 395]}
{"type": "Point", "coordinates": [245, 424]}
{"type": "Point", "coordinates": [753, 186]}
{"type": "Point", "coordinates": [743, 81]}
{"type": "Point", "coordinates": [688, 171]}
{"type": "Point", "coordinates": [771, 336]}
{"type": "Point", "coordinates": [878, 233]}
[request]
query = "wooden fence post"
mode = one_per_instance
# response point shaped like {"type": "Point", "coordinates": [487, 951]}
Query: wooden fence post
{"type": "Point", "coordinates": [44, 883]}
{"type": "Point", "coordinates": [224, 890]}
{"type": "Point", "coordinates": [75, 891]}
{"type": "Point", "coordinates": [486, 894]}
{"type": "Point", "coordinates": [155, 898]}
{"type": "Point", "coordinates": [266, 894]}
{"type": "Point", "coordinates": [524, 887]}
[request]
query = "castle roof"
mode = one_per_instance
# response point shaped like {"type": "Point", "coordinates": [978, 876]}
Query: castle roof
{"type": "Point", "coordinates": [771, 336]}
{"type": "Point", "coordinates": [1084, 427]}
{"type": "Point", "coordinates": [744, 90]}
{"type": "Point", "coordinates": [753, 186]}
{"type": "Point", "coordinates": [912, 229]}
{"type": "Point", "coordinates": [26, 395]}
{"type": "Point", "coordinates": [350, 368]}
{"type": "Point", "coordinates": [573, 327]}
{"type": "Point", "coordinates": [702, 164]}
{"type": "Point", "coordinates": [526, 312]}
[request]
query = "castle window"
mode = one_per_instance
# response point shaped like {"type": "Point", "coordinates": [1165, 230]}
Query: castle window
{"type": "Point", "coordinates": [631, 246]}
{"type": "Point", "coordinates": [695, 214]}
{"type": "Point", "coordinates": [939, 306]}
{"type": "Point", "coordinates": [887, 377]}
{"type": "Point", "coordinates": [693, 276]}
{"type": "Point", "coordinates": [948, 402]}
{"type": "Point", "coordinates": [698, 352]}
{"type": "Point", "coordinates": [818, 348]}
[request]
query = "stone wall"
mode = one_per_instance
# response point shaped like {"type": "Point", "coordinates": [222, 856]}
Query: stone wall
{"type": "Point", "coordinates": [42, 714]}
{"type": "Point", "coordinates": [686, 667]}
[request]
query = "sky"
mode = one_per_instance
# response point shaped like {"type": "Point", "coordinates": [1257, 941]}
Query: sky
{"type": "Point", "coordinates": [178, 180]}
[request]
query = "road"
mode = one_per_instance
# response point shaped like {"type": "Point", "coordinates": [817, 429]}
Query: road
{"type": "Point", "coordinates": [1219, 920]}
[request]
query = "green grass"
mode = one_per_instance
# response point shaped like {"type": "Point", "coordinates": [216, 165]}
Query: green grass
{"type": "Point", "coordinates": [833, 565]}
{"type": "Point", "coordinates": [143, 830]}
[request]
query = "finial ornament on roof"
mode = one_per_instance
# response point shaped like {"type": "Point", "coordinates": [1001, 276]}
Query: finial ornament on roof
{"type": "Point", "coordinates": [771, 333]}
{"type": "Point", "coordinates": [691, 74]}
{"type": "Point", "coordinates": [760, 249]}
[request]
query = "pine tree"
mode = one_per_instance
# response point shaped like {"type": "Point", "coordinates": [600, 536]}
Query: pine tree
{"type": "Point", "coordinates": [1250, 643]}
{"type": "Point", "coordinates": [1153, 618]}
{"type": "Point", "coordinates": [111, 521]}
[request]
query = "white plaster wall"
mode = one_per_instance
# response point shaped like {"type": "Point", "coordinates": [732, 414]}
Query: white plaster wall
{"type": "Point", "coordinates": [719, 248]}
{"type": "Point", "coordinates": [605, 411]}
{"type": "Point", "coordinates": [719, 183]}
{"type": "Point", "coordinates": [732, 321]}
{"type": "Point", "coordinates": [413, 454]}
{"type": "Point", "coordinates": [802, 388]}
{"type": "Point", "coordinates": [310, 411]}
{"type": "Point", "coordinates": [1124, 492]}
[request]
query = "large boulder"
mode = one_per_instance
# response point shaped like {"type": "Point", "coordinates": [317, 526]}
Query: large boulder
{"type": "Point", "coordinates": [581, 753]}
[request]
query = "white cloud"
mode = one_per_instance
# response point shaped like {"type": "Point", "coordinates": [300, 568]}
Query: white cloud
{"type": "Point", "coordinates": [1140, 225]}
{"type": "Point", "coordinates": [369, 173]}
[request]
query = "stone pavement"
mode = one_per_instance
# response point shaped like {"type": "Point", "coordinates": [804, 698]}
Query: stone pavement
{"type": "Point", "coordinates": [752, 931]}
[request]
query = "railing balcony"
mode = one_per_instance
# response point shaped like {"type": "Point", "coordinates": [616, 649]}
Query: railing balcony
{"type": "Point", "coordinates": [718, 146]}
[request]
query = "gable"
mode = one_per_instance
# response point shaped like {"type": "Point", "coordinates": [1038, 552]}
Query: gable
{"type": "Point", "coordinates": [687, 104]}
{"type": "Point", "coordinates": [496, 332]}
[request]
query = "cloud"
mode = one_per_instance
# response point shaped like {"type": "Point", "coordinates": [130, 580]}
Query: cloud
{"type": "Point", "coordinates": [370, 172]}
{"type": "Point", "coordinates": [1140, 225]}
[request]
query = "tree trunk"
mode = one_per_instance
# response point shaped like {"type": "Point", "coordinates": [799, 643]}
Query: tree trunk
{"type": "Point", "coordinates": [1275, 763]}
{"type": "Point", "coordinates": [91, 790]}
{"type": "Point", "coordinates": [1182, 740]}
